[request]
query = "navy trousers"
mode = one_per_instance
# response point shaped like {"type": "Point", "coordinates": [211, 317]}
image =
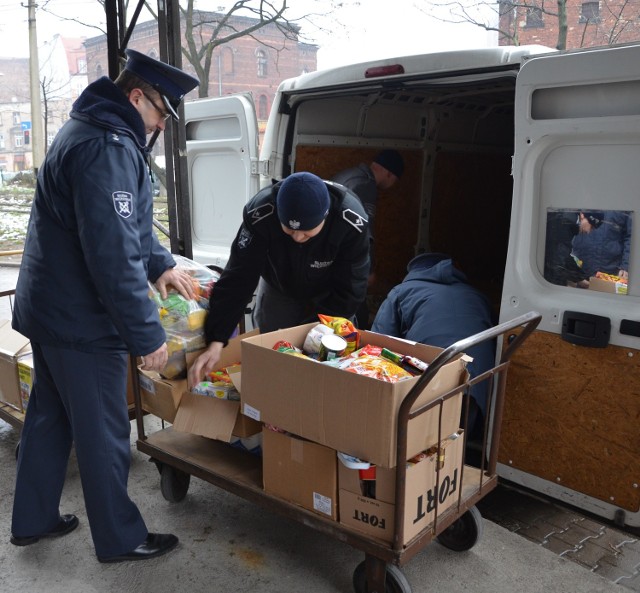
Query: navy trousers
{"type": "Point", "coordinates": [78, 398]}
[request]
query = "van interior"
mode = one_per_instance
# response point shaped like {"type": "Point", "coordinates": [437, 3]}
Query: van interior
{"type": "Point", "coordinates": [456, 137]}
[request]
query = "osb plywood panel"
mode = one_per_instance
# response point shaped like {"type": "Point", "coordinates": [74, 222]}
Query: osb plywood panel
{"type": "Point", "coordinates": [572, 416]}
{"type": "Point", "coordinates": [396, 225]}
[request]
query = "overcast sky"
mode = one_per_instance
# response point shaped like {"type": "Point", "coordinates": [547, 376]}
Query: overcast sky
{"type": "Point", "coordinates": [369, 31]}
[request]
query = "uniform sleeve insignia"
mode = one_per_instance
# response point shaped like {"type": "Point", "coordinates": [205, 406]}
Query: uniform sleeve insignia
{"type": "Point", "coordinates": [244, 238]}
{"type": "Point", "coordinates": [261, 212]}
{"type": "Point", "coordinates": [123, 203]}
{"type": "Point", "coordinates": [354, 219]}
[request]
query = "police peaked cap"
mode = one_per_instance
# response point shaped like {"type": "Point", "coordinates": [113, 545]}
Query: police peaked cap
{"type": "Point", "coordinates": [170, 82]}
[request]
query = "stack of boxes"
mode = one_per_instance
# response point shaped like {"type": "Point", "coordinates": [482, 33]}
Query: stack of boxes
{"type": "Point", "coordinates": [16, 367]}
{"type": "Point", "coordinates": [313, 411]}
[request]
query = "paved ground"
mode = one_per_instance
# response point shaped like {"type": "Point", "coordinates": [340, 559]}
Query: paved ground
{"type": "Point", "coordinates": [530, 544]}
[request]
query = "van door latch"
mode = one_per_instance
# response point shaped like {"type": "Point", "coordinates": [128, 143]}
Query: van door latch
{"type": "Point", "coordinates": [585, 329]}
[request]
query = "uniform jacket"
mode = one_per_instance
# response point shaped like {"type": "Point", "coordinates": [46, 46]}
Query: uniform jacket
{"type": "Point", "coordinates": [360, 181]}
{"type": "Point", "coordinates": [436, 306]}
{"type": "Point", "coordinates": [329, 271]}
{"type": "Point", "coordinates": [90, 244]}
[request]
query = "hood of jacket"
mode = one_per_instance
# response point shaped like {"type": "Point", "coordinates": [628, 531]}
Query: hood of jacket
{"type": "Point", "coordinates": [103, 104]}
{"type": "Point", "coordinates": [442, 272]}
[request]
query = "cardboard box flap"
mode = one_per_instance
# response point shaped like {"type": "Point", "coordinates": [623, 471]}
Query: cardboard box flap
{"type": "Point", "coordinates": [206, 416]}
{"type": "Point", "coordinates": [12, 343]}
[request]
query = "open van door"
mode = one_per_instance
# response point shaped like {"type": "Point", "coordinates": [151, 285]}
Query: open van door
{"type": "Point", "coordinates": [572, 410]}
{"type": "Point", "coordinates": [222, 153]}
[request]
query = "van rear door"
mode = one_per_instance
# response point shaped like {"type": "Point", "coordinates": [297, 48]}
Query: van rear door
{"type": "Point", "coordinates": [222, 150]}
{"type": "Point", "coordinates": [570, 426]}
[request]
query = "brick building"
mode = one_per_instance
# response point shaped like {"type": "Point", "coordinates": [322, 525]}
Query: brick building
{"type": "Point", "coordinates": [589, 23]}
{"type": "Point", "coordinates": [255, 63]}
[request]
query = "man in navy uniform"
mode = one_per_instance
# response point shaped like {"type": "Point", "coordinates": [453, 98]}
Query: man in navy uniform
{"type": "Point", "coordinates": [304, 242]}
{"type": "Point", "coordinates": [82, 299]}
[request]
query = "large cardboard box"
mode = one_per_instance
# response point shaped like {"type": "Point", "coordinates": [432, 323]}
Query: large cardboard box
{"type": "Point", "coordinates": [212, 417]}
{"type": "Point", "coordinates": [159, 396]}
{"type": "Point", "coordinates": [344, 411]}
{"type": "Point", "coordinates": [13, 346]}
{"type": "Point", "coordinates": [607, 286]}
{"type": "Point", "coordinates": [301, 472]}
{"type": "Point", "coordinates": [376, 516]}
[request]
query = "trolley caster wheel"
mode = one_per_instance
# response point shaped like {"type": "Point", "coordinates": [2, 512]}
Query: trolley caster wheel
{"type": "Point", "coordinates": [464, 533]}
{"type": "Point", "coordinates": [395, 581]}
{"type": "Point", "coordinates": [174, 483]}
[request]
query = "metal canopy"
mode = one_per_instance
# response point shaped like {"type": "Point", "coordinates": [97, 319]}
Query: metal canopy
{"type": "Point", "coordinates": [119, 32]}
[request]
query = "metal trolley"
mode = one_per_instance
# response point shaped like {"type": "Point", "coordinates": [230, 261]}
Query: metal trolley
{"type": "Point", "coordinates": [179, 456]}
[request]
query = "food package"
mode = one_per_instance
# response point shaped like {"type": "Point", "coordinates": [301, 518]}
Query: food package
{"type": "Point", "coordinates": [311, 344]}
{"type": "Point", "coordinates": [178, 344]}
{"type": "Point", "coordinates": [343, 328]}
{"type": "Point", "coordinates": [374, 366]}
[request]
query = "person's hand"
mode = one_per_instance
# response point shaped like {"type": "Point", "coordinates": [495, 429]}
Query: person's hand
{"type": "Point", "coordinates": [155, 361]}
{"type": "Point", "coordinates": [180, 280]}
{"type": "Point", "coordinates": [204, 363]}
{"type": "Point", "coordinates": [623, 274]}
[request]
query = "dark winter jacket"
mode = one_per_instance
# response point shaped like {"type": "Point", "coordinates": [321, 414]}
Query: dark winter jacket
{"type": "Point", "coordinates": [607, 247]}
{"type": "Point", "coordinates": [90, 244]}
{"type": "Point", "coordinates": [328, 272]}
{"type": "Point", "coordinates": [435, 305]}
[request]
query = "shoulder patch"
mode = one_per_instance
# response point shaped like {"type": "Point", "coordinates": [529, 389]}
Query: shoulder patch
{"type": "Point", "coordinates": [261, 212]}
{"type": "Point", "coordinates": [123, 203]}
{"type": "Point", "coordinates": [356, 220]}
{"type": "Point", "coordinates": [244, 238]}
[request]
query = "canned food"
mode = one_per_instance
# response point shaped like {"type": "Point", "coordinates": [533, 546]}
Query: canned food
{"type": "Point", "coordinates": [331, 346]}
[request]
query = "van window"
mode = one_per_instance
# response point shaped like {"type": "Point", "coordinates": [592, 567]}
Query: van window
{"type": "Point", "coordinates": [588, 249]}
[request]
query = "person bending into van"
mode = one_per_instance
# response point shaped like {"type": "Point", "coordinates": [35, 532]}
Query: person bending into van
{"type": "Point", "coordinates": [304, 243]}
{"type": "Point", "coordinates": [436, 305]}
{"type": "Point", "coordinates": [82, 299]}
{"type": "Point", "coordinates": [366, 181]}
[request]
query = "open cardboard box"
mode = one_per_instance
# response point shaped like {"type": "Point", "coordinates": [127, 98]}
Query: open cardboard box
{"type": "Point", "coordinates": [342, 410]}
{"type": "Point", "coordinates": [212, 417]}
{"type": "Point", "coordinates": [607, 286]}
{"type": "Point", "coordinates": [13, 346]}
{"type": "Point", "coordinates": [376, 516]}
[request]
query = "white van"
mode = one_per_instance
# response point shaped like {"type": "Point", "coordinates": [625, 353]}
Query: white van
{"type": "Point", "coordinates": [506, 150]}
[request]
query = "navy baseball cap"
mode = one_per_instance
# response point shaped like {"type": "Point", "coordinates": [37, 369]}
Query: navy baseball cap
{"type": "Point", "coordinates": [426, 260]}
{"type": "Point", "coordinates": [302, 201]}
{"type": "Point", "coordinates": [171, 83]}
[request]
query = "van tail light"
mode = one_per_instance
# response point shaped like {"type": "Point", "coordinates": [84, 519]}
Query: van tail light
{"type": "Point", "coordinates": [378, 71]}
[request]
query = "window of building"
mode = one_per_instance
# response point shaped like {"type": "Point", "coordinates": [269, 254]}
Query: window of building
{"type": "Point", "coordinates": [261, 58]}
{"type": "Point", "coordinates": [99, 71]}
{"type": "Point", "coordinates": [18, 141]}
{"type": "Point", "coordinates": [227, 61]}
{"type": "Point", "coordinates": [590, 12]}
{"type": "Point", "coordinates": [82, 66]}
{"type": "Point", "coordinates": [534, 17]}
{"type": "Point", "coordinates": [16, 118]}
{"type": "Point", "coordinates": [263, 112]}
{"type": "Point", "coordinates": [1, 141]}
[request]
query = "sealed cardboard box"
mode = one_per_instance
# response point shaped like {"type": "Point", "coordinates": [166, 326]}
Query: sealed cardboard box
{"type": "Point", "coordinates": [26, 375]}
{"type": "Point", "coordinates": [301, 472]}
{"type": "Point", "coordinates": [210, 416]}
{"type": "Point", "coordinates": [376, 516]}
{"type": "Point", "coordinates": [342, 410]}
{"type": "Point", "coordinates": [13, 346]}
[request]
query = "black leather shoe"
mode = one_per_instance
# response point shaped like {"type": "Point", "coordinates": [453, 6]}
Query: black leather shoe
{"type": "Point", "coordinates": [155, 545]}
{"type": "Point", "coordinates": [66, 524]}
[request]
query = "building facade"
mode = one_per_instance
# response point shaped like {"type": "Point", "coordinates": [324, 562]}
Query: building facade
{"type": "Point", "coordinates": [590, 23]}
{"type": "Point", "coordinates": [254, 64]}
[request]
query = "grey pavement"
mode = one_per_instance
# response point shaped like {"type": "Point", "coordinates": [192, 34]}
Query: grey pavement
{"type": "Point", "coordinates": [232, 546]}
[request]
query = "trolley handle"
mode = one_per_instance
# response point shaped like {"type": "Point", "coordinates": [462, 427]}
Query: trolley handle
{"type": "Point", "coordinates": [529, 322]}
